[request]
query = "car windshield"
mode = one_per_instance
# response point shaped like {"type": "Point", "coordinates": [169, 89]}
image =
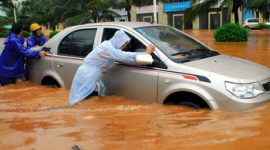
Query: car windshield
{"type": "Point", "coordinates": [178, 46]}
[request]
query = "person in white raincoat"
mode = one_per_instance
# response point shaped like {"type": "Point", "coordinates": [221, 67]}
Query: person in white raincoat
{"type": "Point", "coordinates": [88, 75]}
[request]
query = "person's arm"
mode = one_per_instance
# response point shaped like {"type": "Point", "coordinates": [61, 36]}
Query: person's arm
{"type": "Point", "coordinates": [30, 42]}
{"type": "Point", "coordinates": [128, 57]}
{"type": "Point", "coordinates": [19, 48]}
{"type": "Point", "coordinates": [124, 57]}
{"type": "Point", "coordinates": [44, 39]}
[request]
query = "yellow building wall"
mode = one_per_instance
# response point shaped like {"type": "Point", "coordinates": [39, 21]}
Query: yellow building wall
{"type": "Point", "coordinates": [47, 32]}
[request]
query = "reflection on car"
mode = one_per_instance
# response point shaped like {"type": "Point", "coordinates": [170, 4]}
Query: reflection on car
{"type": "Point", "coordinates": [184, 72]}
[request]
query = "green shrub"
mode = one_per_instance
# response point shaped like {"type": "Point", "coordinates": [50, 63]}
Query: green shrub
{"type": "Point", "coordinates": [25, 34]}
{"type": "Point", "coordinates": [231, 33]}
{"type": "Point", "coordinates": [3, 34]}
{"type": "Point", "coordinates": [262, 26]}
{"type": "Point", "coordinates": [53, 33]}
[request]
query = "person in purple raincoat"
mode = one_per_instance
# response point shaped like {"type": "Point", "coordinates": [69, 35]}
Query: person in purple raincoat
{"type": "Point", "coordinates": [36, 39]}
{"type": "Point", "coordinates": [12, 57]}
{"type": "Point", "coordinates": [88, 75]}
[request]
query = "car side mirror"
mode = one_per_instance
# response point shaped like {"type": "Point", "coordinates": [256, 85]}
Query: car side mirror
{"type": "Point", "coordinates": [144, 59]}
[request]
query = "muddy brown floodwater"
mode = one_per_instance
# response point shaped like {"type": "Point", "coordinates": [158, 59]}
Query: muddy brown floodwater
{"type": "Point", "coordinates": [38, 118]}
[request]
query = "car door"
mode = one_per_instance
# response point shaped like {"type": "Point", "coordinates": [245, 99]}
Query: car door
{"type": "Point", "coordinates": [71, 51]}
{"type": "Point", "coordinates": [254, 23]}
{"type": "Point", "coordinates": [133, 82]}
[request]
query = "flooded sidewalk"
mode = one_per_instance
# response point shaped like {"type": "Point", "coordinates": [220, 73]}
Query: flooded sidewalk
{"type": "Point", "coordinates": [39, 118]}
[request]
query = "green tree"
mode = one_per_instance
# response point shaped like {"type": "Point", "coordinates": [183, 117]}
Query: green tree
{"type": "Point", "coordinates": [99, 9]}
{"type": "Point", "coordinates": [9, 18]}
{"type": "Point", "coordinates": [44, 12]}
{"type": "Point", "coordinates": [53, 12]}
{"type": "Point", "coordinates": [127, 4]}
{"type": "Point", "coordinates": [74, 12]}
{"type": "Point", "coordinates": [33, 11]}
{"type": "Point", "coordinates": [263, 6]}
{"type": "Point", "coordinates": [6, 3]}
{"type": "Point", "coordinates": [199, 7]}
{"type": "Point", "coordinates": [85, 11]}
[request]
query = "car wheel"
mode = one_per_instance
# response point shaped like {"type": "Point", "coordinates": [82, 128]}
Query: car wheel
{"type": "Point", "coordinates": [54, 85]}
{"type": "Point", "coordinates": [247, 27]}
{"type": "Point", "coordinates": [190, 104]}
{"type": "Point", "coordinates": [49, 81]}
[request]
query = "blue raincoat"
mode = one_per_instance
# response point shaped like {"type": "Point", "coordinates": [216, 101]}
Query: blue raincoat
{"type": "Point", "coordinates": [32, 41]}
{"type": "Point", "coordinates": [102, 57]}
{"type": "Point", "coordinates": [12, 57]}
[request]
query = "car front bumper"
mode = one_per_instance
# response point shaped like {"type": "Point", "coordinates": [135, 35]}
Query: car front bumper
{"type": "Point", "coordinates": [237, 104]}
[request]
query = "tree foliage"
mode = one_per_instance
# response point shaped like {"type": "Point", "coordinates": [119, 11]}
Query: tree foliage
{"type": "Point", "coordinates": [127, 4]}
{"type": "Point", "coordinates": [72, 12]}
{"type": "Point", "coordinates": [6, 3]}
{"type": "Point", "coordinates": [263, 6]}
{"type": "Point", "coordinates": [199, 7]}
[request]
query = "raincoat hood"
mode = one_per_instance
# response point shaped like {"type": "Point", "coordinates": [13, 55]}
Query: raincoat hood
{"type": "Point", "coordinates": [119, 39]}
{"type": "Point", "coordinates": [10, 37]}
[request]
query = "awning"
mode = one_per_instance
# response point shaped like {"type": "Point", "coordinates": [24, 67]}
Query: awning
{"type": "Point", "coordinates": [7, 27]}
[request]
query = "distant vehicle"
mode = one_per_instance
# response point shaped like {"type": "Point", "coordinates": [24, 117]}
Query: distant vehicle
{"type": "Point", "coordinates": [267, 22]}
{"type": "Point", "coordinates": [251, 23]}
{"type": "Point", "coordinates": [184, 72]}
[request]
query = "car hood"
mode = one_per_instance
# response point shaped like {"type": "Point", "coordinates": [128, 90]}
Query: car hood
{"type": "Point", "coordinates": [242, 70]}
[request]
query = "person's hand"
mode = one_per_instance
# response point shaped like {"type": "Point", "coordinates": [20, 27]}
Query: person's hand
{"type": "Point", "coordinates": [43, 54]}
{"type": "Point", "coordinates": [19, 80]}
{"type": "Point", "coordinates": [150, 49]}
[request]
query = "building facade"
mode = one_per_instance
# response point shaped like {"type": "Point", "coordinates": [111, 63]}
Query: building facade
{"type": "Point", "coordinates": [172, 14]}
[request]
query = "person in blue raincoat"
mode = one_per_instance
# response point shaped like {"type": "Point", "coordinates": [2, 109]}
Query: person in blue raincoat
{"type": "Point", "coordinates": [88, 75]}
{"type": "Point", "coordinates": [12, 57]}
{"type": "Point", "coordinates": [36, 39]}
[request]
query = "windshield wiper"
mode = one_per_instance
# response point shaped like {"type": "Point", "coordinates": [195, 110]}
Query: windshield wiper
{"type": "Point", "coordinates": [203, 51]}
{"type": "Point", "coordinates": [181, 52]}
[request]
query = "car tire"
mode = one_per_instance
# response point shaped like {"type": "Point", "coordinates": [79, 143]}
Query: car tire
{"type": "Point", "coordinates": [190, 104]}
{"type": "Point", "coordinates": [247, 27]}
{"type": "Point", "coordinates": [53, 84]}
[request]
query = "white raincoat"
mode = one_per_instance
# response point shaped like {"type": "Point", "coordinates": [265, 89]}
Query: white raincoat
{"type": "Point", "coordinates": [102, 57]}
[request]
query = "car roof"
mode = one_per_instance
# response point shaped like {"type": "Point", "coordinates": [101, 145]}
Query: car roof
{"type": "Point", "coordinates": [122, 24]}
{"type": "Point", "coordinates": [127, 25]}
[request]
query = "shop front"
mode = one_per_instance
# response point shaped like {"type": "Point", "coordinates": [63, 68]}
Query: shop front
{"type": "Point", "coordinates": [175, 14]}
{"type": "Point", "coordinates": [146, 14]}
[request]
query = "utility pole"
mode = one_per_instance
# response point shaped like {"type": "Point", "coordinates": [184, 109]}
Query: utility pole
{"type": "Point", "coordinates": [155, 11]}
{"type": "Point", "coordinates": [14, 9]}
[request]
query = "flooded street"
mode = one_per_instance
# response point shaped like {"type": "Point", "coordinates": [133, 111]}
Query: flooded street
{"type": "Point", "coordinates": [38, 117]}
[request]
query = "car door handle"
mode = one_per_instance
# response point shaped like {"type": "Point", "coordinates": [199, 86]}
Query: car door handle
{"type": "Point", "coordinates": [104, 71]}
{"type": "Point", "coordinates": [60, 65]}
{"type": "Point", "coordinates": [167, 81]}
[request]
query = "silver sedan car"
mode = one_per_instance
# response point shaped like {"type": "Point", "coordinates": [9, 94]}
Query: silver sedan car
{"type": "Point", "coordinates": [184, 71]}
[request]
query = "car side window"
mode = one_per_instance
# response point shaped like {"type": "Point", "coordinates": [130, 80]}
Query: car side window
{"type": "Point", "coordinates": [134, 46]}
{"type": "Point", "coordinates": [108, 34]}
{"type": "Point", "coordinates": [79, 43]}
{"type": "Point", "coordinates": [64, 46]}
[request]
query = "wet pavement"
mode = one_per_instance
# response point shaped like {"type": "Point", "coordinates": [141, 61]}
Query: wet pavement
{"type": "Point", "coordinates": [38, 117]}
